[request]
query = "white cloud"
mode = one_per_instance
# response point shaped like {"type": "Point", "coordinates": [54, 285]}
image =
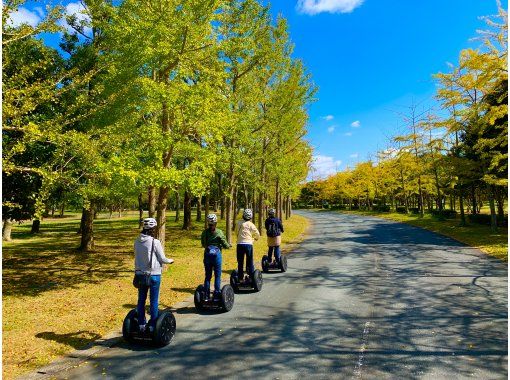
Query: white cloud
{"type": "Point", "coordinates": [356, 124]}
{"type": "Point", "coordinates": [348, 134]}
{"type": "Point", "coordinates": [354, 155]}
{"type": "Point", "coordinates": [39, 11]}
{"type": "Point", "coordinates": [313, 7]}
{"type": "Point", "coordinates": [23, 16]}
{"type": "Point", "coordinates": [82, 18]}
{"type": "Point", "coordinates": [331, 129]}
{"type": "Point", "coordinates": [324, 166]}
{"type": "Point", "coordinates": [390, 152]}
{"type": "Point", "coordinates": [328, 117]}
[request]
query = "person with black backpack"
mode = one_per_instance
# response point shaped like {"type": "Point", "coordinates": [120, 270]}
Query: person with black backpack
{"type": "Point", "coordinates": [274, 229]}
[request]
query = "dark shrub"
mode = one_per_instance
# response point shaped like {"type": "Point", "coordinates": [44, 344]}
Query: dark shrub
{"type": "Point", "coordinates": [446, 214]}
{"type": "Point", "coordinates": [486, 219]}
{"type": "Point", "coordinates": [382, 208]}
{"type": "Point", "coordinates": [401, 209]}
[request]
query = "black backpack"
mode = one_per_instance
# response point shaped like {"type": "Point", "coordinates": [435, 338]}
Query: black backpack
{"type": "Point", "coordinates": [272, 228]}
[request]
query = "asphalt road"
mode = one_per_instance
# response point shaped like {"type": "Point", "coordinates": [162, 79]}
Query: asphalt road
{"type": "Point", "coordinates": [363, 298]}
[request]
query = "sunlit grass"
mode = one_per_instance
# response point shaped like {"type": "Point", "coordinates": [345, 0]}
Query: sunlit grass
{"type": "Point", "coordinates": [56, 299]}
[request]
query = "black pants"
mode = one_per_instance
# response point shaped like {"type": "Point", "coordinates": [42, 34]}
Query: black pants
{"type": "Point", "coordinates": [242, 250]}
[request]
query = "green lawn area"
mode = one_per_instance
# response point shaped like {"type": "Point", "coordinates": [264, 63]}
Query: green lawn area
{"type": "Point", "coordinates": [56, 299]}
{"type": "Point", "coordinates": [475, 235]}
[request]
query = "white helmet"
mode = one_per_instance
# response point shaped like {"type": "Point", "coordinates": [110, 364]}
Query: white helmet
{"type": "Point", "coordinates": [212, 218]}
{"type": "Point", "coordinates": [271, 211]}
{"type": "Point", "coordinates": [149, 223]}
{"type": "Point", "coordinates": [247, 214]}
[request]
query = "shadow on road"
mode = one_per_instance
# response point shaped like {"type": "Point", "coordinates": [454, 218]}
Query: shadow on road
{"type": "Point", "coordinates": [435, 305]}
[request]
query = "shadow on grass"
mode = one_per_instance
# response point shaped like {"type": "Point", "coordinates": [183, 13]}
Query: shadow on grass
{"type": "Point", "coordinates": [78, 340]}
{"type": "Point", "coordinates": [51, 260]}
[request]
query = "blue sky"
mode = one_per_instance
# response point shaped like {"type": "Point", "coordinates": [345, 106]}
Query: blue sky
{"type": "Point", "coordinates": [369, 58]}
{"type": "Point", "coordinates": [370, 62]}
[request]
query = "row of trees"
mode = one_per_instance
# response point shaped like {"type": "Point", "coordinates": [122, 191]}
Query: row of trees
{"type": "Point", "coordinates": [146, 102]}
{"type": "Point", "coordinates": [441, 160]}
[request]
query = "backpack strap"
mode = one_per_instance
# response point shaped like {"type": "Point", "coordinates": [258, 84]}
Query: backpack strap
{"type": "Point", "coordinates": [152, 254]}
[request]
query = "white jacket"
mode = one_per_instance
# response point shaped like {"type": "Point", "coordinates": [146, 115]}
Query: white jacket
{"type": "Point", "coordinates": [143, 245]}
{"type": "Point", "coordinates": [246, 231]}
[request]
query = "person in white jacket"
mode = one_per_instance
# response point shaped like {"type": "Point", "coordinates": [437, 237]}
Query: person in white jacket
{"type": "Point", "coordinates": [146, 246]}
{"type": "Point", "coordinates": [246, 233]}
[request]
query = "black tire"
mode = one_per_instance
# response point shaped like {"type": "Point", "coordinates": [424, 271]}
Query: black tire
{"type": "Point", "coordinates": [199, 297]}
{"type": "Point", "coordinates": [265, 264]}
{"type": "Point", "coordinates": [283, 263]}
{"type": "Point", "coordinates": [256, 280]}
{"type": "Point", "coordinates": [164, 330]}
{"type": "Point", "coordinates": [130, 326]}
{"type": "Point", "coordinates": [227, 298]}
{"type": "Point", "coordinates": [233, 281]}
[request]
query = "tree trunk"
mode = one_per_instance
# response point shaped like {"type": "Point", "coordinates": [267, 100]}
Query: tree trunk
{"type": "Point", "coordinates": [177, 206]}
{"type": "Point", "coordinates": [223, 201]}
{"type": "Point", "coordinates": [473, 198]}
{"type": "Point", "coordinates": [62, 208]}
{"type": "Point", "coordinates": [438, 191]}
{"type": "Point", "coordinates": [6, 230]}
{"type": "Point", "coordinates": [140, 210]}
{"type": "Point", "coordinates": [420, 195]}
{"type": "Point", "coordinates": [461, 205]}
{"type": "Point", "coordinates": [87, 229]}
{"type": "Point", "coordinates": [229, 213]}
{"type": "Point", "coordinates": [161, 214]}
{"type": "Point", "coordinates": [280, 206]}
{"type": "Point", "coordinates": [500, 200]}
{"type": "Point", "coordinates": [206, 209]}
{"type": "Point", "coordinates": [199, 209]}
{"type": "Point", "coordinates": [260, 205]}
{"type": "Point", "coordinates": [186, 225]}
{"type": "Point", "coordinates": [152, 201]}
{"type": "Point", "coordinates": [234, 209]}
{"type": "Point", "coordinates": [494, 220]}
{"type": "Point", "coordinates": [36, 224]}
{"type": "Point", "coordinates": [277, 198]}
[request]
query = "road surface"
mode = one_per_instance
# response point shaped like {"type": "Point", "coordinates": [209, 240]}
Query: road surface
{"type": "Point", "coordinates": [364, 298]}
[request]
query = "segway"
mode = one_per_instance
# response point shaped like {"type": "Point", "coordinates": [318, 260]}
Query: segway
{"type": "Point", "coordinates": [164, 329]}
{"type": "Point", "coordinates": [280, 265]}
{"type": "Point", "coordinates": [249, 282]}
{"type": "Point", "coordinates": [224, 302]}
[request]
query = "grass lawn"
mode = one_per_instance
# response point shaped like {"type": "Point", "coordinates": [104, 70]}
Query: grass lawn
{"type": "Point", "coordinates": [475, 235]}
{"type": "Point", "coordinates": [56, 299]}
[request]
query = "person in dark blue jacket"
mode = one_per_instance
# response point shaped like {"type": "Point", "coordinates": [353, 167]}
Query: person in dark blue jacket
{"type": "Point", "coordinates": [274, 229]}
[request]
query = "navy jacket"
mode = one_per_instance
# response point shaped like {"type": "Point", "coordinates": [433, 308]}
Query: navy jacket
{"type": "Point", "coordinates": [278, 223]}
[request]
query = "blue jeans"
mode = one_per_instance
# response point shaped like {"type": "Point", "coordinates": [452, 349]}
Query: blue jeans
{"type": "Point", "coordinates": [242, 250]}
{"type": "Point", "coordinates": [154, 299]}
{"type": "Point", "coordinates": [212, 261]}
{"type": "Point", "coordinates": [276, 253]}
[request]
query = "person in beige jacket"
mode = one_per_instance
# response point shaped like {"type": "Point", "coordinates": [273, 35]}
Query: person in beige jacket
{"type": "Point", "coordinates": [246, 233]}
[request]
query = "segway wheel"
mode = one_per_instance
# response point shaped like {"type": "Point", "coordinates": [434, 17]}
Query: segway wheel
{"type": "Point", "coordinates": [199, 297]}
{"type": "Point", "coordinates": [233, 281]}
{"type": "Point", "coordinates": [283, 263]}
{"type": "Point", "coordinates": [257, 280]}
{"type": "Point", "coordinates": [164, 330]}
{"type": "Point", "coordinates": [227, 298]}
{"type": "Point", "coordinates": [265, 264]}
{"type": "Point", "coordinates": [130, 326]}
